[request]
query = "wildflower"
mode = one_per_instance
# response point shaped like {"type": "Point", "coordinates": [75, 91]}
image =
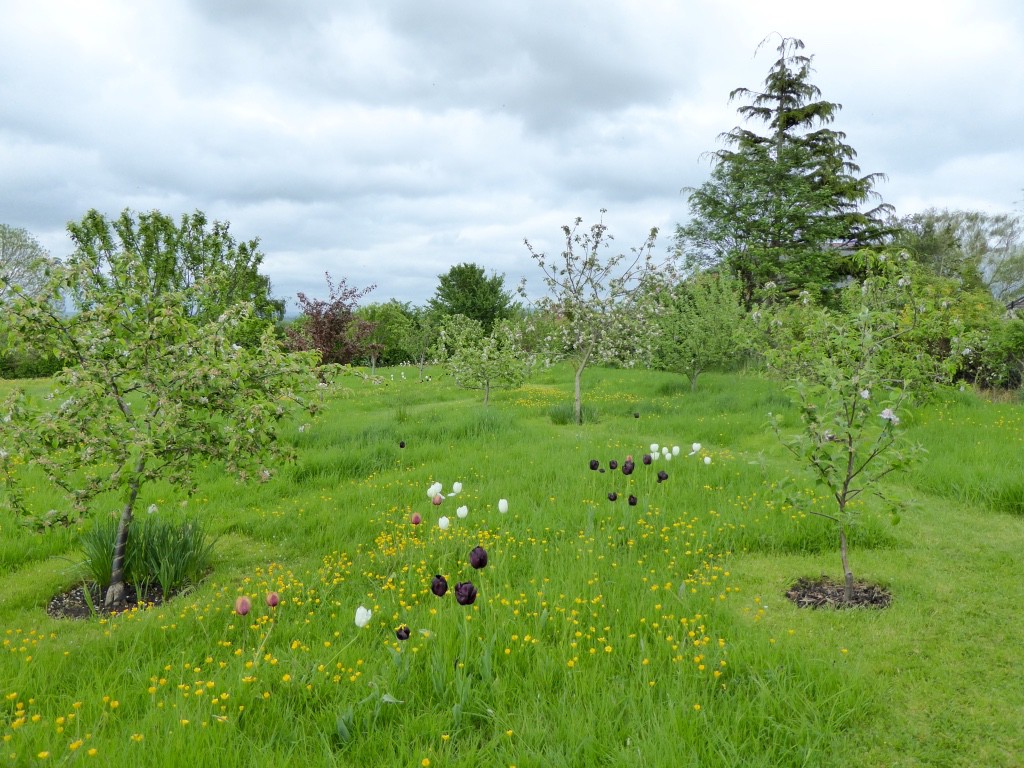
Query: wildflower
{"type": "Point", "coordinates": [438, 498]}
{"type": "Point", "coordinates": [646, 459]}
{"type": "Point", "coordinates": [707, 460]}
{"type": "Point", "coordinates": [415, 519]}
{"type": "Point", "coordinates": [465, 593]}
{"type": "Point", "coordinates": [503, 506]}
{"type": "Point", "coordinates": [662, 476]}
{"type": "Point", "coordinates": [594, 464]}
{"type": "Point", "coordinates": [443, 523]}
{"type": "Point", "coordinates": [273, 599]}
{"type": "Point", "coordinates": [889, 416]}
{"type": "Point", "coordinates": [632, 500]}
{"type": "Point", "coordinates": [462, 512]}
{"type": "Point", "coordinates": [439, 586]}
{"type": "Point", "coordinates": [242, 605]}
{"type": "Point", "coordinates": [613, 496]}
{"type": "Point", "coordinates": [865, 394]}
{"type": "Point", "coordinates": [613, 464]}
{"type": "Point", "coordinates": [363, 616]}
{"type": "Point", "coordinates": [478, 557]}
{"type": "Point", "coordinates": [402, 633]}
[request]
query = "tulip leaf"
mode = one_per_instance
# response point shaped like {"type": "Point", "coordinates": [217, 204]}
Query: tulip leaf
{"type": "Point", "coordinates": [387, 698]}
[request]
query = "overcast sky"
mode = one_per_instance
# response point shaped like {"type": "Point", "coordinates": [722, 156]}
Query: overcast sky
{"type": "Point", "coordinates": [384, 141]}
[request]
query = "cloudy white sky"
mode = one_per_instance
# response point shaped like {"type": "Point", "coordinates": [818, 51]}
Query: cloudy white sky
{"type": "Point", "coordinates": [384, 141]}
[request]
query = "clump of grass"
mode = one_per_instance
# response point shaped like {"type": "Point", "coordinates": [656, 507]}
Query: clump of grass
{"type": "Point", "coordinates": [172, 554]}
{"type": "Point", "coordinates": [564, 413]}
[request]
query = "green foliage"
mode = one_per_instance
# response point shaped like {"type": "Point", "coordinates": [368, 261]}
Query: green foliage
{"type": "Point", "coordinates": [852, 370]}
{"type": "Point", "coordinates": [152, 388]}
{"type": "Point", "coordinates": [391, 324]}
{"type": "Point", "coordinates": [172, 554]}
{"type": "Point", "coordinates": [782, 207]}
{"type": "Point", "coordinates": [480, 360]}
{"type": "Point", "coordinates": [23, 263]}
{"type": "Point", "coordinates": [701, 324]}
{"type": "Point", "coordinates": [465, 289]}
{"type": "Point", "coordinates": [976, 248]}
{"type": "Point", "coordinates": [601, 305]}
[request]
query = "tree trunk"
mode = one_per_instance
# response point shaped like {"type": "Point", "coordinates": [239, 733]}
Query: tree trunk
{"type": "Point", "coordinates": [847, 573]}
{"type": "Point", "coordinates": [487, 393]}
{"type": "Point", "coordinates": [577, 406]}
{"type": "Point", "coordinates": [115, 592]}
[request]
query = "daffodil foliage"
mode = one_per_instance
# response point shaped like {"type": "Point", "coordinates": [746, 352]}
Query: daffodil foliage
{"type": "Point", "coordinates": [150, 391]}
{"type": "Point", "coordinates": [853, 371]}
{"type": "Point", "coordinates": [478, 360]}
{"type": "Point", "coordinates": [601, 303]}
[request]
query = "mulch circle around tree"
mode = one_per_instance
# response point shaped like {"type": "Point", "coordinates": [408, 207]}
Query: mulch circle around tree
{"type": "Point", "coordinates": [824, 592]}
{"type": "Point", "coordinates": [73, 605]}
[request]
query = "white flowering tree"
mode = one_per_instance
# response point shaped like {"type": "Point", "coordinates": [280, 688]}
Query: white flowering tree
{"type": "Point", "coordinates": [602, 304]}
{"type": "Point", "coordinates": [853, 370]}
{"type": "Point", "coordinates": [150, 391]}
{"type": "Point", "coordinates": [478, 360]}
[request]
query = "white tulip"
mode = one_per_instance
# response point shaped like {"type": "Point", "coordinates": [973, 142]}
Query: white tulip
{"type": "Point", "coordinates": [457, 488]}
{"type": "Point", "coordinates": [363, 616]}
{"type": "Point", "coordinates": [707, 459]}
{"type": "Point", "coordinates": [503, 506]}
{"type": "Point", "coordinates": [462, 511]}
{"type": "Point", "coordinates": [443, 523]}
{"type": "Point", "coordinates": [675, 450]}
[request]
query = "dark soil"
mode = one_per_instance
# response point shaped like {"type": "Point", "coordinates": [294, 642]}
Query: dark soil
{"type": "Point", "coordinates": [823, 592]}
{"type": "Point", "coordinates": [72, 604]}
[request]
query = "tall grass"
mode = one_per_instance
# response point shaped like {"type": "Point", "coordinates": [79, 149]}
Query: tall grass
{"type": "Point", "coordinates": [603, 633]}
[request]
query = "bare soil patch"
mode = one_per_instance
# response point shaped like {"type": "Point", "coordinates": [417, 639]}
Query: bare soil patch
{"type": "Point", "coordinates": [73, 605]}
{"type": "Point", "coordinates": [824, 592]}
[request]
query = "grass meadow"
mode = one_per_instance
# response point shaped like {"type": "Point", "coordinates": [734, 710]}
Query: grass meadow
{"type": "Point", "coordinates": [603, 634]}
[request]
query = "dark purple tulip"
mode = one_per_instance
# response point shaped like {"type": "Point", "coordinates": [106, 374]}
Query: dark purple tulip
{"type": "Point", "coordinates": [401, 444]}
{"type": "Point", "coordinates": [439, 586]}
{"type": "Point", "coordinates": [632, 500]}
{"type": "Point", "coordinates": [647, 458]}
{"type": "Point", "coordinates": [601, 470]}
{"type": "Point", "coordinates": [636, 414]}
{"type": "Point", "coordinates": [613, 464]}
{"type": "Point", "coordinates": [465, 593]}
{"type": "Point", "coordinates": [613, 496]}
{"type": "Point", "coordinates": [627, 467]}
{"type": "Point", "coordinates": [594, 463]}
{"type": "Point", "coordinates": [478, 557]}
{"type": "Point", "coordinates": [402, 633]}
{"type": "Point", "coordinates": [662, 476]}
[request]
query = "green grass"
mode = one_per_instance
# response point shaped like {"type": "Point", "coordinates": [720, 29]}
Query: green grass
{"type": "Point", "coordinates": [599, 627]}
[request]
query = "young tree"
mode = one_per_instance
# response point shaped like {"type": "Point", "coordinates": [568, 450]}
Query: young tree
{"type": "Point", "coordinates": [421, 336]}
{"type": "Point", "coordinates": [466, 290]}
{"type": "Point", "coordinates": [784, 206]}
{"type": "Point", "coordinates": [23, 263]}
{"type": "Point", "coordinates": [600, 301]}
{"type": "Point", "coordinates": [701, 324]}
{"type": "Point", "coordinates": [152, 389]}
{"type": "Point", "coordinates": [390, 324]}
{"type": "Point", "coordinates": [852, 371]}
{"type": "Point", "coordinates": [480, 360]}
{"type": "Point", "coordinates": [331, 327]}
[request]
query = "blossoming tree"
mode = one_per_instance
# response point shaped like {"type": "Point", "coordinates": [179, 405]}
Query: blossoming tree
{"type": "Point", "coordinates": [478, 360]}
{"type": "Point", "coordinates": [601, 302]}
{"type": "Point", "coordinates": [150, 391]}
{"type": "Point", "coordinates": [853, 370]}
